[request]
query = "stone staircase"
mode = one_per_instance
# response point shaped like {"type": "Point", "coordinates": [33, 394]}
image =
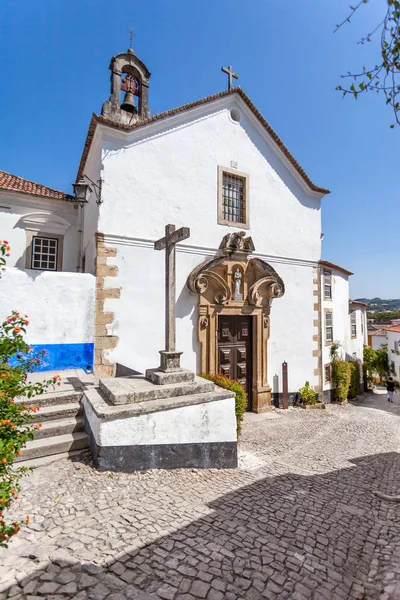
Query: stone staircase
{"type": "Point", "coordinates": [61, 415]}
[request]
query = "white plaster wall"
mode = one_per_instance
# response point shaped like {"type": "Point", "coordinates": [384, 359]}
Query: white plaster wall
{"type": "Point", "coordinates": [167, 173]}
{"type": "Point", "coordinates": [14, 206]}
{"type": "Point", "coordinates": [139, 313]}
{"type": "Point", "coordinates": [357, 343]}
{"type": "Point", "coordinates": [341, 319]}
{"type": "Point", "coordinates": [91, 210]}
{"type": "Point", "coordinates": [60, 306]}
{"type": "Point", "coordinates": [292, 329]}
{"type": "Point", "coordinates": [377, 341]}
{"type": "Point", "coordinates": [392, 337]}
{"type": "Point", "coordinates": [201, 423]}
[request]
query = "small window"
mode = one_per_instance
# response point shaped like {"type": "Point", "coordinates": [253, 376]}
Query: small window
{"type": "Point", "coordinates": [328, 327]}
{"type": "Point", "coordinates": [355, 356]}
{"type": "Point", "coordinates": [44, 253]}
{"type": "Point", "coordinates": [362, 324]}
{"type": "Point", "coordinates": [327, 285]}
{"type": "Point", "coordinates": [328, 373]}
{"type": "Point", "coordinates": [353, 323]}
{"type": "Point", "coordinates": [233, 198]}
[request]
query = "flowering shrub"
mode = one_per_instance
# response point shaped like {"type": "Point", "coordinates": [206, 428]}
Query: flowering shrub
{"type": "Point", "coordinates": [4, 252]}
{"type": "Point", "coordinates": [241, 395]}
{"type": "Point", "coordinates": [16, 427]}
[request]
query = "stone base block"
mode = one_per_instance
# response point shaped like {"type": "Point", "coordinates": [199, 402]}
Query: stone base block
{"type": "Point", "coordinates": [126, 390]}
{"type": "Point", "coordinates": [190, 431]}
{"type": "Point", "coordinates": [129, 459]}
{"type": "Point", "coordinates": [165, 378]}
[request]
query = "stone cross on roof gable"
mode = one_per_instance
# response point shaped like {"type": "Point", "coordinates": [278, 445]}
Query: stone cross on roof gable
{"type": "Point", "coordinates": [230, 73]}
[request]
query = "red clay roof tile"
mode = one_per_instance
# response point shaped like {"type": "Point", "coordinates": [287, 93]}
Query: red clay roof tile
{"type": "Point", "coordinates": [19, 184]}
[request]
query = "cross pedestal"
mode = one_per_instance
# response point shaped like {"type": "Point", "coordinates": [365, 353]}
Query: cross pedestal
{"type": "Point", "coordinates": [170, 370]}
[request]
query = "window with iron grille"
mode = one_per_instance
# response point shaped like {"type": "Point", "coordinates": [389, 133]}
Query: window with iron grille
{"type": "Point", "coordinates": [44, 253]}
{"type": "Point", "coordinates": [328, 373]}
{"type": "Point", "coordinates": [328, 327]}
{"type": "Point", "coordinates": [353, 323]}
{"type": "Point", "coordinates": [327, 285]}
{"type": "Point", "coordinates": [233, 198]}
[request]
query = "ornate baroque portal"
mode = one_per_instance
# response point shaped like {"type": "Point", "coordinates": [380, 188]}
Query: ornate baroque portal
{"type": "Point", "coordinates": [236, 283]}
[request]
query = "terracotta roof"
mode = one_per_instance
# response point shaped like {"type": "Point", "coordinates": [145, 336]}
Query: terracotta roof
{"type": "Point", "coordinates": [14, 183]}
{"type": "Point", "coordinates": [394, 328]}
{"type": "Point", "coordinates": [378, 332]}
{"type": "Point", "coordinates": [330, 265]}
{"type": "Point", "coordinates": [169, 113]}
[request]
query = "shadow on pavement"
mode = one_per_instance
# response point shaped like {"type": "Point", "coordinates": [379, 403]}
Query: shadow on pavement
{"type": "Point", "coordinates": [291, 536]}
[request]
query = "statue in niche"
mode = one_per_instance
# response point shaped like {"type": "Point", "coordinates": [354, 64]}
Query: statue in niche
{"type": "Point", "coordinates": [237, 242]}
{"type": "Point", "coordinates": [237, 285]}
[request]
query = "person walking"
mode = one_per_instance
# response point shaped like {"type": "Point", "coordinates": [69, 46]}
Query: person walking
{"type": "Point", "coordinates": [390, 389]}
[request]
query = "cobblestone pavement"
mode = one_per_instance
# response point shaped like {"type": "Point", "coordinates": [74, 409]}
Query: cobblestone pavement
{"type": "Point", "coordinates": [297, 520]}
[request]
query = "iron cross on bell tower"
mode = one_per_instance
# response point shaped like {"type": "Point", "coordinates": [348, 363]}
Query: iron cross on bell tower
{"type": "Point", "coordinates": [231, 74]}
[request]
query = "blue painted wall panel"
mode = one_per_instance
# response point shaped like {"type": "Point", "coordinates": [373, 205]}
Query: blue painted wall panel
{"type": "Point", "coordinates": [65, 356]}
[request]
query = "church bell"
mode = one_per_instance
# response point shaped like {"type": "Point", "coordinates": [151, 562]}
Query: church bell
{"type": "Point", "coordinates": [128, 104]}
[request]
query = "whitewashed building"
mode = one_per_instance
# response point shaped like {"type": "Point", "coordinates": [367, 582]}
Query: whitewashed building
{"type": "Point", "coordinates": [41, 278]}
{"type": "Point", "coordinates": [246, 302]}
{"type": "Point", "coordinates": [344, 322]}
{"type": "Point", "coordinates": [393, 346]}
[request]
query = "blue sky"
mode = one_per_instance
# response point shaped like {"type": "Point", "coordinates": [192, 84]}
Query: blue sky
{"type": "Point", "coordinates": [55, 57]}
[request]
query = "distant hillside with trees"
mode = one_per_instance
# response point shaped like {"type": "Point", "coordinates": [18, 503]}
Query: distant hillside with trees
{"type": "Point", "coordinates": [382, 309]}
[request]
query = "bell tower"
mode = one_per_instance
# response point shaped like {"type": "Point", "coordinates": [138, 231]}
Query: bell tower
{"type": "Point", "coordinates": [129, 98]}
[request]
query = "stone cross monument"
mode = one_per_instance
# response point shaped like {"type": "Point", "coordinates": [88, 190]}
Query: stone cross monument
{"type": "Point", "coordinates": [170, 358]}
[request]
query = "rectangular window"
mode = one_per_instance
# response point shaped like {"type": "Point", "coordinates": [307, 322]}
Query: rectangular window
{"type": "Point", "coordinates": [328, 327]}
{"type": "Point", "coordinates": [44, 253]}
{"type": "Point", "coordinates": [233, 198]}
{"type": "Point", "coordinates": [353, 323]}
{"type": "Point", "coordinates": [328, 373]}
{"type": "Point", "coordinates": [396, 346]}
{"type": "Point", "coordinates": [354, 356]}
{"type": "Point", "coordinates": [327, 285]}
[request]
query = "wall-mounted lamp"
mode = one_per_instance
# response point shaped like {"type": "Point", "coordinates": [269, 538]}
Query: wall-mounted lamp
{"type": "Point", "coordinates": [83, 190]}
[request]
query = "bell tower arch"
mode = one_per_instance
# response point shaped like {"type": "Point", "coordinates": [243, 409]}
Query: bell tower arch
{"type": "Point", "coordinates": [129, 97]}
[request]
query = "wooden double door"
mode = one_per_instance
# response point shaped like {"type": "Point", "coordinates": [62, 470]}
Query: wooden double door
{"type": "Point", "coordinates": [235, 350]}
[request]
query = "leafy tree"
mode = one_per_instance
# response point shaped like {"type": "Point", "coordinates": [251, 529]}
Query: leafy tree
{"type": "Point", "coordinates": [382, 366]}
{"type": "Point", "coordinates": [369, 359]}
{"type": "Point", "coordinates": [384, 77]}
{"type": "Point", "coordinates": [376, 361]}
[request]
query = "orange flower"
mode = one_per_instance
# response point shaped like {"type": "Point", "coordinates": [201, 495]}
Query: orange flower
{"type": "Point", "coordinates": [17, 329]}
{"type": "Point", "coordinates": [4, 460]}
{"type": "Point", "coordinates": [38, 426]}
{"type": "Point", "coordinates": [19, 453]}
{"type": "Point", "coordinates": [26, 322]}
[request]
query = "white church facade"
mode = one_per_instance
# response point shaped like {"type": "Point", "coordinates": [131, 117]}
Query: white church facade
{"type": "Point", "coordinates": [252, 291]}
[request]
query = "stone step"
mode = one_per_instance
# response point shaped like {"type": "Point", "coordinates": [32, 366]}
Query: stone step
{"type": "Point", "coordinates": [54, 445]}
{"type": "Point", "coordinates": [56, 427]}
{"type": "Point", "coordinates": [59, 411]}
{"type": "Point", "coordinates": [138, 389]}
{"type": "Point", "coordinates": [74, 455]}
{"type": "Point", "coordinates": [51, 398]}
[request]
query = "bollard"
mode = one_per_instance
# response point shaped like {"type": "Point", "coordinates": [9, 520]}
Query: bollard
{"type": "Point", "coordinates": [285, 385]}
